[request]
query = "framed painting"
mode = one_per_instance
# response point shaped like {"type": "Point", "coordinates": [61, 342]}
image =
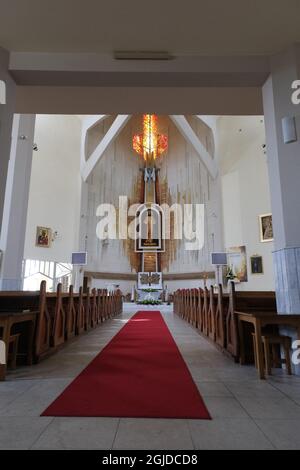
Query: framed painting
{"type": "Point", "coordinates": [256, 263]}
{"type": "Point", "coordinates": [266, 228]}
{"type": "Point", "coordinates": [237, 263]}
{"type": "Point", "coordinates": [43, 237]}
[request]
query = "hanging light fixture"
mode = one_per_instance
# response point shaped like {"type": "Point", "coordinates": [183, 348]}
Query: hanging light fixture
{"type": "Point", "coordinates": [150, 144]}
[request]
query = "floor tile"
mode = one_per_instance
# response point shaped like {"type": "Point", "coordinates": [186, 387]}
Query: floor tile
{"type": "Point", "coordinates": [153, 434]}
{"type": "Point", "coordinates": [270, 407]}
{"type": "Point", "coordinates": [289, 388]}
{"type": "Point", "coordinates": [78, 433]}
{"type": "Point", "coordinates": [34, 401]}
{"type": "Point", "coordinates": [213, 389]}
{"type": "Point", "coordinates": [12, 389]}
{"type": "Point", "coordinates": [224, 407]}
{"type": "Point", "coordinates": [21, 432]}
{"type": "Point", "coordinates": [283, 433]}
{"type": "Point", "coordinates": [258, 388]}
{"type": "Point", "coordinates": [236, 434]}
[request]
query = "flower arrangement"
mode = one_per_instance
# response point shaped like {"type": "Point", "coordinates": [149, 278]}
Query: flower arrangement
{"type": "Point", "coordinates": [149, 302]}
{"type": "Point", "coordinates": [230, 274]}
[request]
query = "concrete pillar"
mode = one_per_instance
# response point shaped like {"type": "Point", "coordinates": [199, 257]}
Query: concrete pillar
{"type": "Point", "coordinates": [78, 271]}
{"type": "Point", "coordinates": [284, 175]}
{"type": "Point", "coordinates": [16, 202]}
{"type": "Point", "coordinates": [6, 120]}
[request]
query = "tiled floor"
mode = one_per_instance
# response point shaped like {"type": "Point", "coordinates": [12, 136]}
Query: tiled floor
{"type": "Point", "coordinates": [247, 413]}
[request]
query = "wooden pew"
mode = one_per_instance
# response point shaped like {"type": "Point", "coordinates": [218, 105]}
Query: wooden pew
{"type": "Point", "coordinates": [211, 314]}
{"type": "Point", "coordinates": [193, 307]}
{"type": "Point", "coordinates": [182, 303]}
{"type": "Point", "coordinates": [94, 308]}
{"type": "Point", "coordinates": [120, 302]}
{"type": "Point", "coordinates": [205, 305]}
{"type": "Point", "coordinates": [109, 304]}
{"type": "Point", "coordinates": [199, 309]}
{"type": "Point", "coordinates": [42, 339]}
{"type": "Point", "coordinates": [71, 313]}
{"type": "Point", "coordinates": [220, 319]}
{"type": "Point", "coordinates": [57, 315]}
{"type": "Point", "coordinates": [101, 315]}
{"type": "Point", "coordinates": [87, 310]}
{"type": "Point", "coordinates": [244, 301]}
{"type": "Point", "coordinates": [176, 302]}
{"type": "Point", "coordinates": [16, 320]}
{"type": "Point", "coordinates": [186, 304]}
{"type": "Point", "coordinates": [20, 301]}
{"type": "Point", "coordinates": [80, 311]}
{"type": "Point", "coordinates": [105, 305]}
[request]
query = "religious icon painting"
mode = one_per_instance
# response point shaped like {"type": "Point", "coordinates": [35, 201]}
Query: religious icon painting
{"type": "Point", "coordinates": [43, 237]}
{"type": "Point", "coordinates": [266, 228]}
{"type": "Point", "coordinates": [256, 262]}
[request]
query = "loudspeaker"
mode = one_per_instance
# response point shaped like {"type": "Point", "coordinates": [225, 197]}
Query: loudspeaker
{"type": "Point", "coordinates": [289, 130]}
{"type": "Point", "coordinates": [2, 92]}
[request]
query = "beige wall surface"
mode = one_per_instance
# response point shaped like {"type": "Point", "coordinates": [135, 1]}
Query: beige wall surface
{"type": "Point", "coordinates": [245, 193]}
{"type": "Point", "coordinates": [54, 196]}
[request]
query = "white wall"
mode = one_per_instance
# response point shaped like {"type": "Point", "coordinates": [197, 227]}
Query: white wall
{"type": "Point", "coordinates": [54, 197]}
{"type": "Point", "coordinates": [245, 192]}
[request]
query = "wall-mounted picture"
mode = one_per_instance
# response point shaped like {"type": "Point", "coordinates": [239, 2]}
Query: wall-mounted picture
{"type": "Point", "coordinates": [256, 262]}
{"type": "Point", "coordinates": [266, 228]}
{"type": "Point", "coordinates": [237, 263]}
{"type": "Point", "coordinates": [43, 237]}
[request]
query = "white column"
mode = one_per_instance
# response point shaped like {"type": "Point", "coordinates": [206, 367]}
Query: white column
{"type": "Point", "coordinates": [6, 120]}
{"type": "Point", "coordinates": [284, 174]}
{"type": "Point", "coordinates": [16, 202]}
{"type": "Point", "coordinates": [78, 271]}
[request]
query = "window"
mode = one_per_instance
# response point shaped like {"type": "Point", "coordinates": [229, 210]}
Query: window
{"type": "Point", "coordinates": [36, 271]}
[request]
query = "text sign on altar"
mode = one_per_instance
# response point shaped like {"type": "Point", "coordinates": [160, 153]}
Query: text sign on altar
{"type": "Point", "coordinates": [153, 280]}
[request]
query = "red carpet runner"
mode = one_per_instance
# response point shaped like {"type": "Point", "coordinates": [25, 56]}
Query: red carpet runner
{"type": "Point", "coordinates": [140, 373]}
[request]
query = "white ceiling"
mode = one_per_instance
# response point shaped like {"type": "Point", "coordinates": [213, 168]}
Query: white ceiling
{"type": "Point", "coordinates": [192, 27]}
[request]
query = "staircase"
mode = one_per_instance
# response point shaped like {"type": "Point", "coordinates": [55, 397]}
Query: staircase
{"type": "Point", "coordinates": [149, 262]}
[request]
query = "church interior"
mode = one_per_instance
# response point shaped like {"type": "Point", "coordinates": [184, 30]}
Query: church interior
{"type": "Point", "coordinates": [149, 255]}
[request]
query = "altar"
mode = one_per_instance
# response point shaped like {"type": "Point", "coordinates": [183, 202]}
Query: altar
{"type": "Point", "coordinates": [150, 286]}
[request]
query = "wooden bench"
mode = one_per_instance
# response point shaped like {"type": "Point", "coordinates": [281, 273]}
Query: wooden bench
{"type": "Point", "coordinates": [80, 311]}
{"type": "Point", "coordinates": [17, 321]}
{"type": "Point", "coordinates": [244, 301]}
{"type": "Point", "coordinates": [58, 316]}
{"type": "Point", "coordinates": [220, 318]}
{"type": "Point", "coordinates": [213, 314]}
{"type": "Point", "coordinates": [69, 305]}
